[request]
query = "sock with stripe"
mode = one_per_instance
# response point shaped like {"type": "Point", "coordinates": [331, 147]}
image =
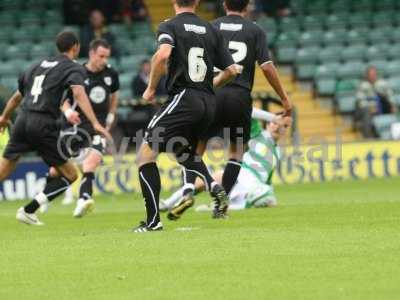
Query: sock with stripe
{"type": "Point", "coordinates": [86, 189]}
{"type": "Point", "coordinates": [150, 183]}
{"type": "Point", "coordinates": [231, 174]}
{"type": "Point", "coordinates": [195, 167]}
{"type": "Point", "coordinates": [55, 186]}
{"type": "Point", "coordinates": [189, 179]}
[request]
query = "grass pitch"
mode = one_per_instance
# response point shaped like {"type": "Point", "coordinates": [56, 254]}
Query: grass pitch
{"type": "Point", "coordinates": [324, 241]}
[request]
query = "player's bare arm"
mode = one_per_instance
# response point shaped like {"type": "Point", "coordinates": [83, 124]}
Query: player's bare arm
{"type": "Point", "coordinates": [71, 115]}
{"type": "Point", "coordinates": [81, 98]}
{"type": "Point", "coordinates": [271, 74]}
{"type": "Point", "coordinates": [158, 63]}
{"type": "Point", "coordinates": [226, 75]}
{"type": "Point", "coordinates": [12, 104]}
{"type": "Point", "coordinates": [113, 110]}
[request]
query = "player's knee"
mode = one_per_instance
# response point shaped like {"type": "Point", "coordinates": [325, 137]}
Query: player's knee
{"type": "Point", "coordinates": [145, 155]}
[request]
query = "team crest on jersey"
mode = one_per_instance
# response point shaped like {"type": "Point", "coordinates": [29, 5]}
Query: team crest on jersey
{"type": "Point", "coordinates": [108, 80]}
{"type": "Point", "coordinates": [97, 94]}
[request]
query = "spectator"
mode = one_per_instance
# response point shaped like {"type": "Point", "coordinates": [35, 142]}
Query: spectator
{"type": "Point", "coordinates": [374, 97]}
{"type": "Point", "coordinates": [279, 8]}
{"type": "Point", "coordinates": [95, 30]}
{"type": "Point", "coordinates": [141, 80]}
{"type": "Point", "coordinates": [134, 10]}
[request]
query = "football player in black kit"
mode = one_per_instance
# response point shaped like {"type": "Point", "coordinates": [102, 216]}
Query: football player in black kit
{"type": "Point", "coordinates": [191, 47]}
{"type": "Point", "coordinates": [41, 90]}
{"type": "Point", "coordinates": [101, 85]}
{"type": "Point", "coordinates": [248, 45]}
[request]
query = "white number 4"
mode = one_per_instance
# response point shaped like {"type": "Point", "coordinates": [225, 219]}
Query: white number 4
{"type": "Point", "coordinates": [37, 89]}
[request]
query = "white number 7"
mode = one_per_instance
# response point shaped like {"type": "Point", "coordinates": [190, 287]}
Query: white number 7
{"type": "Point", "coordinates": [37, 90]}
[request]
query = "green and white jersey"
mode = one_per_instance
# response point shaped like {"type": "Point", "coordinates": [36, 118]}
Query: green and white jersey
{"type": "Point", "coordinates": [262, 157]}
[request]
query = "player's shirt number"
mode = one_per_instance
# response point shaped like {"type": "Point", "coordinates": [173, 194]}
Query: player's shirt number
{"type": "Point", "coordinates": [240, 51]}
{"type": "Point", "coordinates": [197, 65]}
{"type": "Point", "coordinates": [37, 89]}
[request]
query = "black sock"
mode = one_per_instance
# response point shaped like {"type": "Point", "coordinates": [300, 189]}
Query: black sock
{"type": "Point", "coordinates": [86, 189]}
{"type": "Point", "coordinates": [195, 167]}
{"type": "Point", "coordinates": [189, 179]}
{"type": "Point", "coordinates": [55, 186]}
{"type": "Point", "coordinates": [231, 174]}
{"type": "Point", "coordinates": [150, 183]}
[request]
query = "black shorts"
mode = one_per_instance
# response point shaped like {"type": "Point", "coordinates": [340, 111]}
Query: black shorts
{"type": "Point", "coordinates": [78, 138]}
{"type": "Point", "coordinates": [181, 121]}
{"type": "Point", "coordinates": [35, 132]}
{"type": "Point", "coordinates": [233, 115]}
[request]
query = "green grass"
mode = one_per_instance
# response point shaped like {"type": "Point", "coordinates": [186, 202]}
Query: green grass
{"type": "Point", "coordinates": [324, 241]}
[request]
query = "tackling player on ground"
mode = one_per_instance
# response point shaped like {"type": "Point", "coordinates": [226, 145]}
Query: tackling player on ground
{"type": "Point", "coordinates": [254, 185]}
{"type": "Point", "coordinates": [248, 44]}
{"type": "Point", "coordinates": [191, 47]}
{"type": "Point", "coordinates": [41, 90]}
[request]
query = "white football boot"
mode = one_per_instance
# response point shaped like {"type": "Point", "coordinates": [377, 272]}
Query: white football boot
{"type": "Point", "coordinates": [83, 207]}
{"type": "Point", "coordinates": [30, 219]}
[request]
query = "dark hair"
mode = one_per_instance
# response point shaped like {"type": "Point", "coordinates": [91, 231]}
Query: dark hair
{"type": "Point", "coordinates": [185, 3]}
{"type": "Point", "coordinates": [96, 43]}
{"type": "Point", "coordinates": [236, 5]}
{"type": "Point", "coordinates": [65, 40]}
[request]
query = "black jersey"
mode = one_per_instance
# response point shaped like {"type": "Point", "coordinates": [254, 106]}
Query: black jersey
{"type": "Point", "coordinates": [197, 48]}
{"type": "Point", "coordinates": [248, 45]}
{"type": "Point", "coordinates": [45, 85]}
{"type": "Point", "coordinates": [99, 86]}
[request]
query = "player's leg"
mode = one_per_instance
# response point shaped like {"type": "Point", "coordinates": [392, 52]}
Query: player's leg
{"type": "Point", "coordinates": [55, 186]}
{"type": "Point", "coordinates": [85, 202]}
{"type": "Point", "coordinates": [233, 166]}
{"type": "Point", "coordinates": [7, 167]}
{"type": "Point", "coordinates": [150, 183]}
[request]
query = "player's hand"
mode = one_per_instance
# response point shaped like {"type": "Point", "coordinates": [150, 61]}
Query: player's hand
{"type": "Point", "coordinates": [239, 68]}
{"type": "Point", "coordinates": [102, 131]}
{"type": "Point", "coordinates": [73, 117]}
{"type": "Point", "coordinates": [149, 95]}
{"type": "Point", "coordinates": [4, 123]}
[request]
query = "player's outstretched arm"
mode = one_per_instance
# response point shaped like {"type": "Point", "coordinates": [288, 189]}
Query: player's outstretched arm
{"type": "Point", "coordinates": [158, 69]}
{"type": "Point", "coordinates": [113, 110]}
{"type": "Point", "coordinates": [12, 104]}
{"type": "Point", "coordinates": [81, 98]}
{"type": "Point", "coordinates": [271, 74]}
{"type": "Point", "coordinates": [227, 75]}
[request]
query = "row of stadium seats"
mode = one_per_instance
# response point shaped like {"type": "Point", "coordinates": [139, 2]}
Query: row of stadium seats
{"type": "Point", "coordinates": [28, 18]}
{"type": "Point", "coordinates": [18, 5]}
{"type": "Point", "coordinates": [321, 6]}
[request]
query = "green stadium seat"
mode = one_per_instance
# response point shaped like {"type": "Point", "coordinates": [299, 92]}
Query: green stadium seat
{"type": "Point", "coordinates": [19, 51]}
{"type": "Point", "coordinates": [339, 5]}
{"type": "Point", "coordinates": [268, 24]}
{"type": "Point", "coordinates": [286, 54]}
{"type": "Point", "coordinates": [287, 39]}
{"type": "Point", "coordinates": [376, 52]}
{"type": "Point", "coordinates": [392, 68]}
{"type": "Point", "coordinates": [360, 20]}
{"type": "Point", "coordinates": [305, 71]}
{"type": "Point", "coordinates": [22, 35]}
{"type": "Point", "coordinates": [138, 29]}
{"type": "Point", "coordinates": [362, 5]}
{"type": "Point", "coordinates": [8, 69]}
{"type": "Point", "coordinates": [326, 71]}
{"type": "Point", "coordinates": [48, 33]}
{"type": "Point", "coordinates": [347, 86]}
{"type": "Point", "coordinates": [345, 103]}
{"type": "Point", "coordinates": [131, 63]}
{"type": "Point", "coordinates": [351, 70]}
{"type": "Point", "coordinates": [334, 37]}
{"type": "Point", "coordinates": [52, 17]}
{"type": "Point", "coordinates": [39, 51]}
{"type": "Point", "coordinates": [311, 38]}
{"type": "Point", "coordinates": [315, 22]}
{"type": "Point", "coordinates": [380, 35]}
{"type": "Point", "coordinates": [11, 4]}
{"type": "Point", "coordinates": [325, 86]}
{"type": "Point", "coordinates": [125, 94]}
{"type": "Point", "coordinates": [395, 83]}
{"type": "Point", "coordinates": [125, 80]}
{"type": "Point", "coordinates": [119, 30]}
{"type": "Point", "coordinates": [386, 5]}
{"type": "Point", "coordinates": [6, 34]}
{"type": "Point", "coordinates": [314, 7]}
{"type": "Point", "coordinates": [10, 82]}
{"type": "Point", "coordinates": [385, 18]}
{"type": "Point", "coordinates": [307, 55]}
{"type": "Point", "coordinates": [330, 54]}
{"type": "Point", "coordinates": [26, 18]}
{"type": "Point", "coordinates": [7, 19]}
{"type": "Point", "coordinates": [336, 21]}
{"type": "Point", "coordinates": [383, 123]}
{"type": "Point", "coordinates": [356, 36]}
{"type": "Point", "coordinates": [395, 35]}
{"type": "Point", "coordinates": [352, 53]}
{"type": "Point", "coordinates": [394, 52]}
{"type": "Point", "coordinates": [288, 24]}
